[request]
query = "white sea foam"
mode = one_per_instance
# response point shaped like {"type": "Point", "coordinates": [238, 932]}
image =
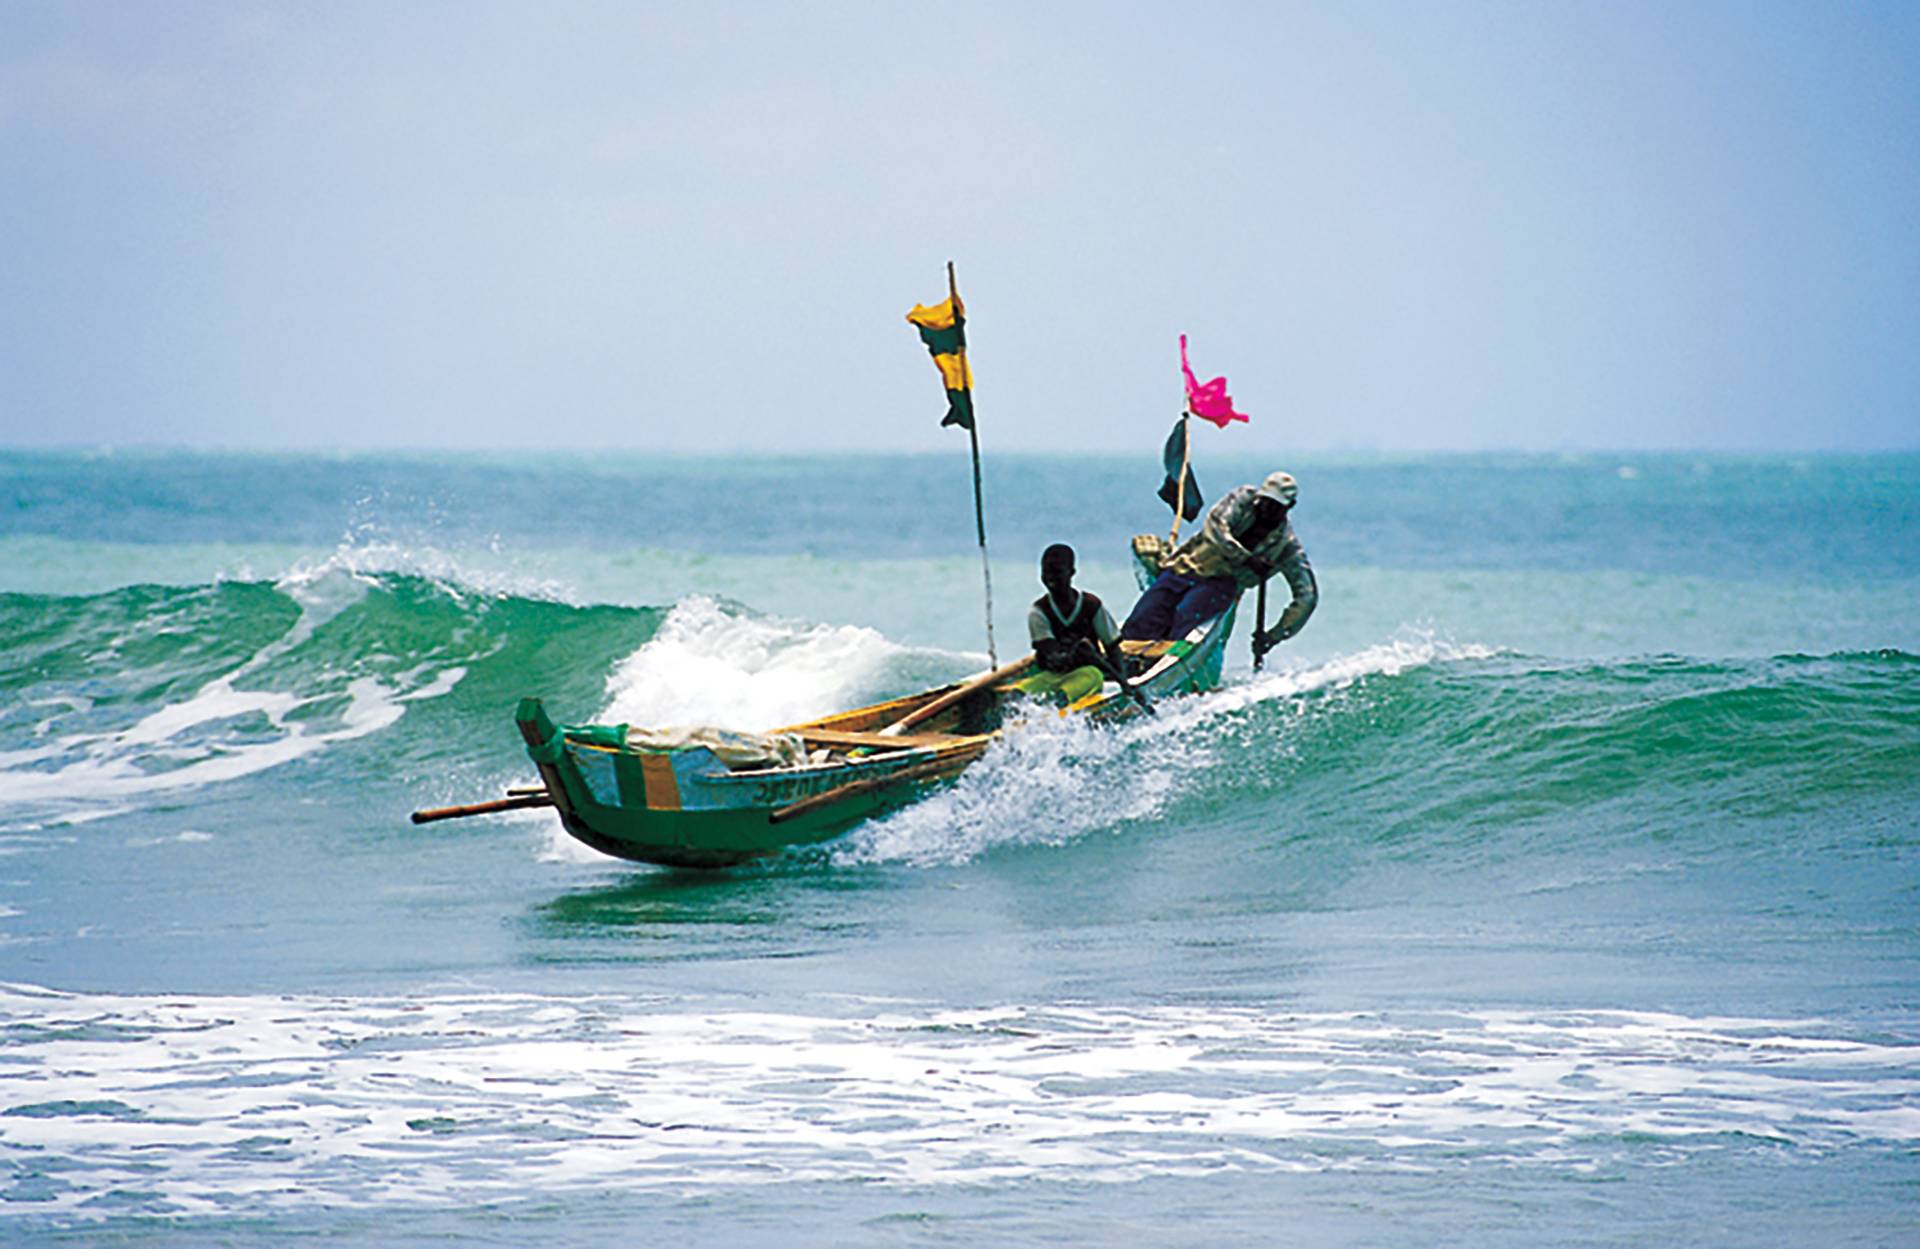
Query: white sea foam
{"type": "Point", "coordinates": [186, 837]}
{"type": "Point", "coordinates": [710, 665]}
{"type": "Point", "coordinates": [1054, 778]}
{"type": "Point", "coordinates": [1412, 649]}
{"type": "Point", "coordinates": [237, 1104]}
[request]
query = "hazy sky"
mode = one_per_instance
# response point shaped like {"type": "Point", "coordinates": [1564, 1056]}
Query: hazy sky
{"type": "Point", "coordinates": [698, 226]}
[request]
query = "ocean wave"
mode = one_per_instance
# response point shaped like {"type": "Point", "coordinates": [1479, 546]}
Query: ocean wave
{"type": "Point", "coordinates": [122, 697]}
{"type": "Point", "coordinates": [1513, 741]}
{"type": "Point", "coordinates": [226, 727]}
{"type": "Point", "coordinates": [151, 690]}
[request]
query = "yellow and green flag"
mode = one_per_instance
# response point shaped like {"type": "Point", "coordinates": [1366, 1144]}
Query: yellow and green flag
{"type": "Point", "coordinates": [943, 328]}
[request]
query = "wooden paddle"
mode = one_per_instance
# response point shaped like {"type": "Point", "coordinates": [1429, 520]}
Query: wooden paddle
{"type": "Point", "coordinates": [1126, 687]}
{"type": "Point", "coordinates": [853, 789]}
{"type": "Point", "coordinates": [927, 711]}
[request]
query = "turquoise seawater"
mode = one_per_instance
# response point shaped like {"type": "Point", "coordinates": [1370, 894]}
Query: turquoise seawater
{"type": "Point", "coordinates": [1560, 883]}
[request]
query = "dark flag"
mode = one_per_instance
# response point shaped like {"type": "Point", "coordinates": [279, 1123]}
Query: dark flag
{"type": "Point", "coordinates": [1188, 502]}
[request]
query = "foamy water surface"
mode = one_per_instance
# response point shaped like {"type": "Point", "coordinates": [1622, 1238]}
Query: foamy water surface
{"type": "Point", "coordinates": [230, 1104]}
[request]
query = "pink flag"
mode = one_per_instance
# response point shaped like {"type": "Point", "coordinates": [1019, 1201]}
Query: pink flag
{"type": "Point", "coordinates": [1211, 400]}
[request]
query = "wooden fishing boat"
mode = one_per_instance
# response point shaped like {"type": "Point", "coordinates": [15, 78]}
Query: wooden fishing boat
{"type": "Point", "coordinates": [687, 807]}
{"type": "Point", "coordinates": [711, 798]}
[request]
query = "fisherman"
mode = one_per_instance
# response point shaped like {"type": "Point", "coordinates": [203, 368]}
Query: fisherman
{"type": "Point", "coordinates": [1075, 642]}
{"type": "Point", "coordinates": [1246, 539]}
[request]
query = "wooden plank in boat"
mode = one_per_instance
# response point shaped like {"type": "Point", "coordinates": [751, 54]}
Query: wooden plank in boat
{"type": "Point", "coordinates": [1152, 648]}
{"type": "Point", "coordinates": [903, 741]}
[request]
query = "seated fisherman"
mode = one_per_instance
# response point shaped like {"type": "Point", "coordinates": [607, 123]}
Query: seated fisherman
{"type": "Point", "coordinates": [1246, 539]}
{"type": "Point", "coordinates": [1075, 642]}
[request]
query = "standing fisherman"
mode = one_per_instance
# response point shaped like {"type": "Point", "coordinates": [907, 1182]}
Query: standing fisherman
{"type": "Point", "coordinates": [1246, 539]}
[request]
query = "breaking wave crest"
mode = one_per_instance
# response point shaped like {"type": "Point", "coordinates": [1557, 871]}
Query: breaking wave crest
{"type": "Point", "coordinates": [712, 663]}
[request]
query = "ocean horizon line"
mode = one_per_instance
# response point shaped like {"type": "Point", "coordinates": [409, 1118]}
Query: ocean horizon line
{"type": "Point", "coordinates": [1492, 456]}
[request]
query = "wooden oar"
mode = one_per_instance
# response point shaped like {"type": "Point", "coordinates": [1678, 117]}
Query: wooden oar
{"type": "Point", "coordinates": [928, 710]}
{"type": "Point", "coordinates": [519, 802]}
{"type": "Point", "coordinates": [853, 789]}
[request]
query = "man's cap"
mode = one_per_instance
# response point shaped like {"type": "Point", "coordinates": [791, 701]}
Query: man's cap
{"type": "Point", "coordinates": [1281, 488]}
{"type": "Point", "coordinates": [1057, 552]}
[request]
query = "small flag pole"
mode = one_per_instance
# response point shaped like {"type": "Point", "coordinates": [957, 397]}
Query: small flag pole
{"type": "Point", "coordinates": [973, 435]}
{"type": "Point", "coordinates": [1260, 628]}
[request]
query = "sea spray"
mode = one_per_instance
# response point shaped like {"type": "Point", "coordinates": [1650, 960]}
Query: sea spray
{"type": "Point", "coordinates": [1052, 779]}
{"type": "Point", "coordinates": [1049, 780]}
{"type": "Point", "coordinates": [713, 663]}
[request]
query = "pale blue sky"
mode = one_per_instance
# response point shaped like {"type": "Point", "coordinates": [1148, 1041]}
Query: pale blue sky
{"type": "Point", "coordinates": [697, 226]}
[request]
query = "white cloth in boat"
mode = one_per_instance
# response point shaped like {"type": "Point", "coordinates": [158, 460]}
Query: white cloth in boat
{"type": "Point", "coordinates": [730, 746]}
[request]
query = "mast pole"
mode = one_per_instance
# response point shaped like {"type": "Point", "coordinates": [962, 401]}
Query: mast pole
{"type": "Point", "coordinates": [973, 437]}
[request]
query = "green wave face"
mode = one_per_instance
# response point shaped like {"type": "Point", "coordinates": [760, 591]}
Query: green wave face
{"type": "Point", "coordinates": [155, 689]}
{"type": "Point", "coordinates": [142, 644]}
{"type": "Point", "coordinates": [1642, 748]}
